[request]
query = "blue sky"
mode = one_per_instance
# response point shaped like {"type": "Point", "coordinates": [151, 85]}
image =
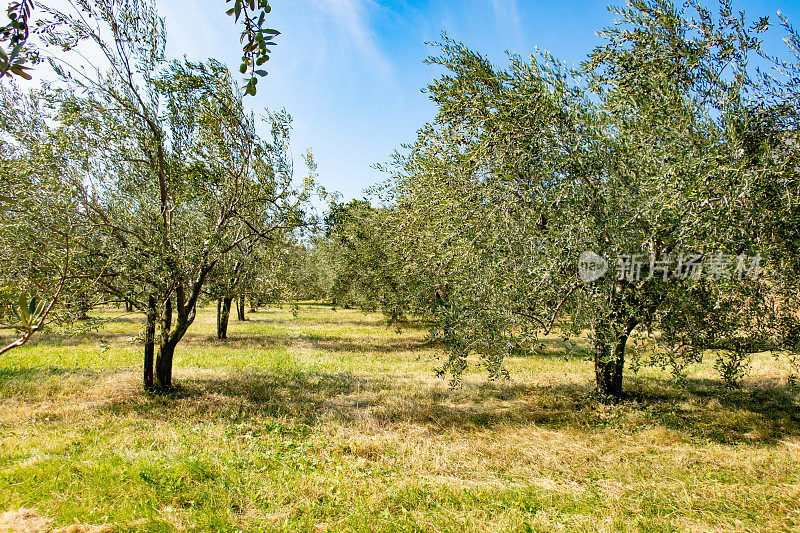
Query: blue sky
{"type": "Point", "coordinates": [350, 71]}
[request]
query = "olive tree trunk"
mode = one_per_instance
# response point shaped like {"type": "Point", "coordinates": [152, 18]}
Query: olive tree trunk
{"type": "Point", "coordinates": [609, 356]}
{"type": "Point", "coordinates": [223, 314]}
{"type": "Point", "coordinates": [171, 334]}
{"type": "Point", "coordinates": [240, 304]}
{"type": "Point", "coordinates": [149, 342]}
{"type": "Point", "coordinates": [166, 348]}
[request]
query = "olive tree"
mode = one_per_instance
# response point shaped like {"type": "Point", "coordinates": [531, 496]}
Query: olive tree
{"type": "Point", "coordinates": [633, 163]}
{"type": "Point", "coordinates": [363, 259]}
{"type": "Point", "coordinates": [177, 177]}
{"type": "Point", "coordinates": [45, 245]}
{"type": "Point", "coordinates": [18, 52]}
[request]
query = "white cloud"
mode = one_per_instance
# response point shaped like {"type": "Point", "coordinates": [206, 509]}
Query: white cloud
{"type": "Point", "coordinates": [351, 17]}
{"type": "Point", "coordinates": [506, 13]}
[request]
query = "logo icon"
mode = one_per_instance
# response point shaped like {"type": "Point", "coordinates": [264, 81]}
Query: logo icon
{"type": "Point", "coordinates": [591, 267]}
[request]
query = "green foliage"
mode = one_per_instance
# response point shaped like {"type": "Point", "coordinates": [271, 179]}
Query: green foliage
{"type": "Point", "coordinates": [14, 35]}
{"type": "Point", "coordinates": [169, 171]}
{"type": "Point", "coordinates": [649, 148]}
{"type": "Point", "coordinates": [45, 245]}
{"type": "Point", "coordinates": [256, 38]}
{"type": "Point", "coordinates": [364, 263]}
{"type": "Point", "coordinates": [28, 310]}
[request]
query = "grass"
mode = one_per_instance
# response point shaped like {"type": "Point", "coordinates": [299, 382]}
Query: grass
{"type": "Point", "coordinates": [329, 421]}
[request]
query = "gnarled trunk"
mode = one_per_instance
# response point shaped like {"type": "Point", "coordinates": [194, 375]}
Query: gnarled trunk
{"type": "Point", "coordinates": [240, 303]}
{"type": "Point", "coordinates": [149, 342]}
{"type": "Point", "coordinates": [164, 366]}
{"type": "Point", "coordinates": [223, 314]}
{"type": "Point", "coordinates": [166, 349]}
{"type": "Point", "coordinates": [186, 308]}
{"type": "Point", "coordinates": [609, 356]}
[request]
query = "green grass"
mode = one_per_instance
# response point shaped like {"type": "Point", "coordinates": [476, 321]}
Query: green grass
{"type": "Point", "coordinates": [330, 421]}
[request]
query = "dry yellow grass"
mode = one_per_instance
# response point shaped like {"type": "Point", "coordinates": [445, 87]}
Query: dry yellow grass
{"type": "Point", "coordinates": [331, 422]}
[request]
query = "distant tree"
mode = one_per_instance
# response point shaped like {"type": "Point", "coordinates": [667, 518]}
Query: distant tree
{"type": "Point", "coordinates": [229, 283]}
{"type": "Point", "coordinates": [365, 261]}
{"type": "Point", "coordinates": [312, 270]}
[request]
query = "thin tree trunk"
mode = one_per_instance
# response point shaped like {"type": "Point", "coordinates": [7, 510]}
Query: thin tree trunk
{"type": "Point", "coordinates": [619, 365]}
{"type": "Point", "coordinates": [149, 343]}
{"type": "Point", "coordinates": [166, 349]}
{"type": "Point", "coordinates": [223, 314]}
{"type": "Point", "coordinates": [240, 304]}
{"type": "Point", "coordinates": [219, 315]}
{"type": "Point", "coordinates": [128, 306]}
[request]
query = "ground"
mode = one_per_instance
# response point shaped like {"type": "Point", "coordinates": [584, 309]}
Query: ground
{"type": "Point", "coordinates": [330, 421]}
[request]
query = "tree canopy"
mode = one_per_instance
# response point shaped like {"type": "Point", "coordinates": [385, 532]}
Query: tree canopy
{"type": "Point", "coordinates": [651, 156]}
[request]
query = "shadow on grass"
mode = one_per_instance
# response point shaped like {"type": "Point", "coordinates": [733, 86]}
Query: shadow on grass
{"type": "Point", "coordinates": [703, 410]}
{"type": "Point", "coordinates": [326, 343]}
{"type": "Point", "coordinates": [127, 318]}
{"type": "Point", "coordinates": [699, 410]}
{"type": "Point", "coordinates": [274, 318]}
{"type": "Point", "coordinates": [551, 349]}
{"type": "Point", "coordinates": [33, 375]}
{"type": "Point", "coordinates": [35, 387]}
{"type": "Point", "coordinates": [340, 344]}
{"type": "Point", "coordinates": [92, 338]}
{"type": "Point", "coordinates": [241, 341]}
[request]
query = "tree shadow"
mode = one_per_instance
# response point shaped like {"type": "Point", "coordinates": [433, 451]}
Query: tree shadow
{"type": "Point", "coordinates": [551, 349]}
{"type": "Point", "coordinates": [241, 341]}
{"type": "Point", "coordinates": [699, 409]}
{"type": "Point", "coordinates": [300, 397]}
{"type": "Point", "coordinates": [50, 384]}
{"type": "Point", "coordinates": [704, 408]}
{"type": "Point", "coordinates": [128, 318]}
{"type": "Point", "coordinates": [355, 317]}
{"type": "Point", "coordinates": [53, 339]}
{"type": "Point", "coordinates": [338, 344]}
{"type": "Point", "coordinates": [37, 374]}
